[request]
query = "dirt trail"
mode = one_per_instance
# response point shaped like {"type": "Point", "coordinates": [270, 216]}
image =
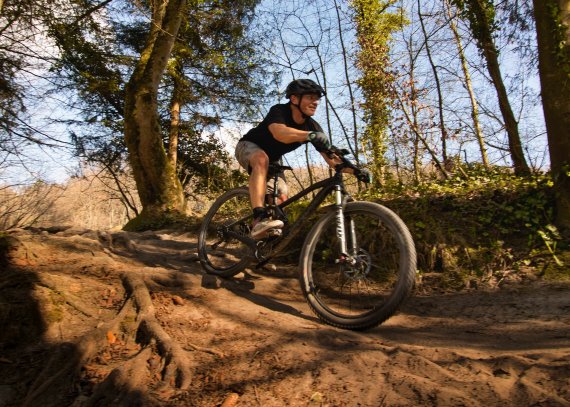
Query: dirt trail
{"type": "Point", "coordinates": [254, 339]}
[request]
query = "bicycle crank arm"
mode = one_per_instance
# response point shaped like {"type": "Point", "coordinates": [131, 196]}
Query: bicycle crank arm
{"type": "Point", "coordinates": [251, 243]}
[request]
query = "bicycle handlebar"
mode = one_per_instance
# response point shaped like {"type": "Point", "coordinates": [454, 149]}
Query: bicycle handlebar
{"type": "Point", "coordinates": [345, 163]}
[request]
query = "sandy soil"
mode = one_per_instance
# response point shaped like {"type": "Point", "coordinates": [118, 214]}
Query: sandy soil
{"type": "Point", "coordinates": [252, 341]}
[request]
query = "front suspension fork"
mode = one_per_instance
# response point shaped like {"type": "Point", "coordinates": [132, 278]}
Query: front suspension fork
{"type": "Point", "coordinates": [341, 229]}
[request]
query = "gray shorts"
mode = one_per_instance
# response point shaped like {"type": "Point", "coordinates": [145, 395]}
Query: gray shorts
{"type": "Point", "coordinates": [244, 150]}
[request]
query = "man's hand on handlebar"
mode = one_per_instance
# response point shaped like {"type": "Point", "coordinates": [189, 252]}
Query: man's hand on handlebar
{"type": "Point", "coordinates": [363, 176]}
{"type": "Point", "coordinates": [336, 158]}
{"type": "Point", "coordinates": [319, 140]}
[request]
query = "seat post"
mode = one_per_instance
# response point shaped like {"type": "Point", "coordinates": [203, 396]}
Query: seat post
{"type": "Point", "coordinates": [275, 184]}
{"type": "Point", "coordinates": [275, 169]}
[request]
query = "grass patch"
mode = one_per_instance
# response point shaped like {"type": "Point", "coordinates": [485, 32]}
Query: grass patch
{"type": "Point", "coordinates": [162, 220]}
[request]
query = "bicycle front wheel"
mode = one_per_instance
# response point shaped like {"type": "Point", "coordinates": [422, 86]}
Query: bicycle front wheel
{"type": "Point", "coordinates": [363, 289]}
{"type": "Point", "coordinates": [220, 253]}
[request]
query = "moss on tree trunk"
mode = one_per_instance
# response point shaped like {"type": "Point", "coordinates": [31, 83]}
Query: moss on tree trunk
{"type": "Point", "coordinates": [159, 189]}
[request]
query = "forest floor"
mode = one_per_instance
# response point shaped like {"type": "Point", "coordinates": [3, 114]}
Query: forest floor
{"type": "Point", "coordinates": [124, 319]}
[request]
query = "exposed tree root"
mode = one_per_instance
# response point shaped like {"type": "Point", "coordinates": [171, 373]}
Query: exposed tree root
{"type": "Point", "coordinates": [206, 350]}
{"type": "Point", "coordinates": [127, 383]}
{"type": "Point", "coordinates": [70, 299]}
{"type": "Point", "coordinates": [67, 361]}
{"type": "Point", "coordinates": [177, 370]}
{"type": "Point", "coordinates": [169, 279]}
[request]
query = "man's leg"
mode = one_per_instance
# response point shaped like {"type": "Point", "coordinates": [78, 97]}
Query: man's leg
{"type": "Point", "coordinates": [282, 190]}
{"type": "Point", "coordinates": [262, 225]}
{"type": "Point", "coordinates": [259, 163]}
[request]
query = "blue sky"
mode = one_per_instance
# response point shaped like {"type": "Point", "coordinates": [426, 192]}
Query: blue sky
{"type": "Point", "coordinates": [309, 46]}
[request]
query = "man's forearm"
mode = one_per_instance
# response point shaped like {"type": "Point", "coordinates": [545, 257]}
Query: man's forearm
{"type": "Point", "coordinates": [287, 135]}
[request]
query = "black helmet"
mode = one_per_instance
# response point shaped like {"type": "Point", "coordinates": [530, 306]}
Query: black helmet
{"type": "Point", "coordinates": [303, 87]}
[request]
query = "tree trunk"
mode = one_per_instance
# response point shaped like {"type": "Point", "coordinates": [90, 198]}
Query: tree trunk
{"type": "Point", "coordinates": [174, 126]}
{"type": "Point", "coordinates": [553, 36]}
{"type": "Point", "coordinates": [511, 124]}
{"type": "Point", "coordinates": [159, 189]}
{"type": "Point", "coordinates": [469, 86]}
{"type": "Point", "coordinates": [490, 53]}
{"type": "Point", "coordinates": [415, 123]}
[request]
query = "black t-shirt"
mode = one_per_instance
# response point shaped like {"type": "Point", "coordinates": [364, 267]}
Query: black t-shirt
{"type": "Point", "coordinates": [261, 135]}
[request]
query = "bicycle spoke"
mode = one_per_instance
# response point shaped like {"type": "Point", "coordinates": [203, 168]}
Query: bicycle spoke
{"type": "Point", "coordinates": [221, 253]}
{"type": "Point", "coordinates": [358, 287]}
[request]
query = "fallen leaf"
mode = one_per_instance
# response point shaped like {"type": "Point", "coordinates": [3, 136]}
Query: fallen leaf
{"type": "Point", "coordinates": [177, 300]}
{"type": "Point", "coordinates": [231, 400]}
{"type": "Point", "coordinates": [111, 338]}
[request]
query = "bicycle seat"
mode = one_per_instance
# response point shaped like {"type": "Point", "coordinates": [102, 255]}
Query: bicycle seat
{"type": "Point", "coordinates": [277, 168]}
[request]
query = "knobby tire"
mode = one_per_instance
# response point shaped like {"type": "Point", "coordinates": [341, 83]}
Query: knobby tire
{"type": "Point", "coordinates": [363, 295]}
{"type": "Point", "coordinates": [229, 256]}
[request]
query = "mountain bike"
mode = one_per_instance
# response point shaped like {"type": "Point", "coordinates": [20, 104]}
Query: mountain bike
{"type": "Point", "coordinates": [358, 260]}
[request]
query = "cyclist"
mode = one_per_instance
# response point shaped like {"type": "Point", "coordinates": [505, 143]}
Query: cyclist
{"type": "Point", "coordinates": [285, 128]}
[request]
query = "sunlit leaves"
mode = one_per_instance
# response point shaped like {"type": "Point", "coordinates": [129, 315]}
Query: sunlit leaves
{"type": "Point", "coordinates": [376, 21]}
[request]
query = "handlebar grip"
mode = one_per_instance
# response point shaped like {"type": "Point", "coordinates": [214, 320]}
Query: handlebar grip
{"type": "Point", "coordinates": [345, 163]}
{"type": "Point", "coordinates": [340, 152]}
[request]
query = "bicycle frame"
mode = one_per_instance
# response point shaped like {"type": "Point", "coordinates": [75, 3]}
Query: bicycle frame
{"type": "Point", "coordinates": [330, 185]}
{"type": "Point", "coordinates": [357, 263]}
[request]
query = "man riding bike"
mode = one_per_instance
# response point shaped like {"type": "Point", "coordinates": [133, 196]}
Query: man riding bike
{"type": "Point", "coordinates": [285, 128]}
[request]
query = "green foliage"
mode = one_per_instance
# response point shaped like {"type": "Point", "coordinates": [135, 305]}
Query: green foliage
{"type": "Point", "coordinates": [376, 21]}
{"type": "Point", "coordinates": [213, 72]}
{"type": "Point", "coordinates": [560, 34]}
{"type": "Point", "coordinates": [215, 63]}
{"type": "Point", "coordinates": [93, 66]}
{"type": "Point", "coordinates": [556, 270]}
{"type": "Point", "coordinates": [550, 236]}
{"type": "Point", "coordinates": [481, 17]}
{"type": "Point", "coordinates": [480, 226]}
{"type": "Point", "coordinates": [17, 20]}
{"type": "Point", "coordinates": [204, 165]}
{"type": "Point", "coordinates": [297, 208]}
{"type": "Point", "coordinates": [167, 219]}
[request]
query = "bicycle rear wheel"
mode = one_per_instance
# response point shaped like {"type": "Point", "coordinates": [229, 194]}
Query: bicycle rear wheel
{"type": "Point", "coordinates": [368, 288]}
{"type": "Point", "coordinates": [219, 252]}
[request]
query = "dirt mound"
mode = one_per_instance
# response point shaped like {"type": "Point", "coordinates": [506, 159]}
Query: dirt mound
{"type": "Point", "coordinates": [97, 319]}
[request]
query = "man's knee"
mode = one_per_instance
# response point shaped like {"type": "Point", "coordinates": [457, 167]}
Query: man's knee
{"type": "Point", "coordinates": [259, 160]}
